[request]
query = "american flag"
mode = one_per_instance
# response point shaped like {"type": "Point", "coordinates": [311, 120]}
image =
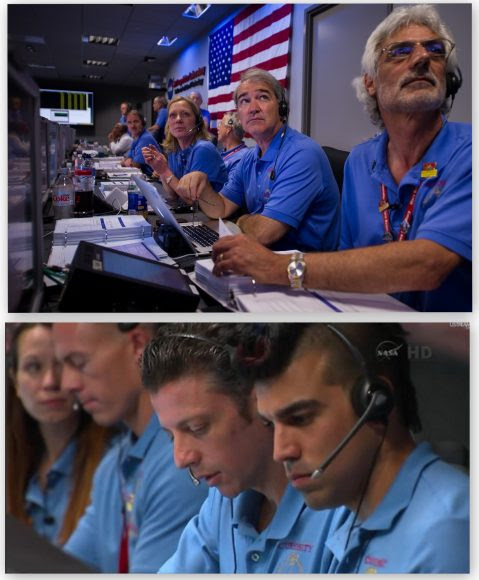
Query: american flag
{"type": "Point", "coordinates": [256, 37]}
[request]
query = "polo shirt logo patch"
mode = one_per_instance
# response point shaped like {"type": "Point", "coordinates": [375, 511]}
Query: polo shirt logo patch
{"type": "Point", "coordinates": [292, 565]}
{"type": "Point", "coordinates": [295, 546]}
{"type": "Point", "coordinates": [436, 190]}
{"type": "Point", "coordinates": [377, 562]}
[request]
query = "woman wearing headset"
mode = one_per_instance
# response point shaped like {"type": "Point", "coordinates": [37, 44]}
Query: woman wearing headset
{"type": "Point", "coordinates": [187, 147]}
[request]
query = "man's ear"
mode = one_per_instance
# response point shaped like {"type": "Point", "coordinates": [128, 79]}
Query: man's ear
{"type": "Point", "coordinates": [140, 336]}
{"type": "Point", "coordinates": [370, 85]}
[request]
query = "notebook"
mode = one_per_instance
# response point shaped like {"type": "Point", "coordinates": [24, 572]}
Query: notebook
{"type": "Point", "coordinates": [199, 237]}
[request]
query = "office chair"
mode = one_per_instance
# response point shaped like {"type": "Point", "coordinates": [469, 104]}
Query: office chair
{"type": "Point", "coordinates": [337, 159]}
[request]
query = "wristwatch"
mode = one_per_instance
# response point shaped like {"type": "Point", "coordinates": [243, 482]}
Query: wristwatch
{"type": "Point", "coordinates": [169, 178]}
{"type": "Point", "coordinates": [296, 270]}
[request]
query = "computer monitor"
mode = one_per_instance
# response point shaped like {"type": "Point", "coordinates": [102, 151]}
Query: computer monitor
{"type": "Point", "coordinates": [53, 151]}
{"type": "Point", "coordinates": [67, 107]}
{"type": "Point", "coordinates": [25, 226]}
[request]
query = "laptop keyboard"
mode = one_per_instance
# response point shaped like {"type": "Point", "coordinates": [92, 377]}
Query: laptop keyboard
{"type": "Point", "coordinates": [202, 235]}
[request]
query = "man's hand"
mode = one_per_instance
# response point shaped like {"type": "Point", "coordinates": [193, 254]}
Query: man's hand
{"type": "Point", "coordinates": [242, 255]}
{"type": "Point", "coordinates": [192, 185]}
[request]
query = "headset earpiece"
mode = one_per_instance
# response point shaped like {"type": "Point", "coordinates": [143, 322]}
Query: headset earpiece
{"type": "Point", "coordinates": [367, 388]}
{"type": "Point", "coordinates": [453, 82]}
{"type": "Point", "coordinates": [364, 391]}
{"type": "Point", "coordinates": [283, 109]}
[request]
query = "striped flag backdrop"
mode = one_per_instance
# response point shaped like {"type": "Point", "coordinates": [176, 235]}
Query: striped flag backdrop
{"type": "Point", "coordinates": [258, 36]}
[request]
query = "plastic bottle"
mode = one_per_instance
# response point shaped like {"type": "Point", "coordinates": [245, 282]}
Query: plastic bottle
{"type": "Point", "coordinates": [132, 198]}
{"type": "Point", "coordinates": [63, 196]}
{"type": "Point", "coordinates": [84, 183]}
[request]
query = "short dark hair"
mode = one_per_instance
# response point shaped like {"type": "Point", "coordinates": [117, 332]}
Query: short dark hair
{"type": "Point", "coordinates": [191, 349]}
{"type": "Point", "coordinates": [287, 341]}
{"type": "Point", "coordinates": [138, 114]}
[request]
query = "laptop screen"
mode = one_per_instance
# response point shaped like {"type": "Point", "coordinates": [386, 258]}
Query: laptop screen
{"type": "Point", "coordinates": [159, 205]}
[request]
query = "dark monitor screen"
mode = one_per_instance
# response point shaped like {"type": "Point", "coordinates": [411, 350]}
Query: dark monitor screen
{"type": "Point", "coordinates": [144, 271]}
{"type": "Point", "coordinates": [25, 227]}
{"type": "Point", "coordinates": [53, 152]}
{"type": "Point", "coordinates": [44, 173]}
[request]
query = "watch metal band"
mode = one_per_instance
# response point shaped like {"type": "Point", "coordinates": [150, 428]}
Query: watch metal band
{"type": "Point", "coordinates": [296, 270]}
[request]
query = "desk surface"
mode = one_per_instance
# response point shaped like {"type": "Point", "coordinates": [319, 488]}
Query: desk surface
{"type": "Point", "coordinates": [271, 299]}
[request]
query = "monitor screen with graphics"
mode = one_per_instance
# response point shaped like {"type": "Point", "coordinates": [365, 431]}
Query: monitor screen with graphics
{"type": "Point", "coordinates": [67, 107]}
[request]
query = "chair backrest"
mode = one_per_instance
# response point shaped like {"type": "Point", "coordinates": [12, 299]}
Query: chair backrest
{"type": "Point", "coordinates": [337, 159]}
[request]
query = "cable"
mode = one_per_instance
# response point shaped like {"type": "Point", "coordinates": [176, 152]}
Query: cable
{"type": "Point", "coordinates": [365, 487]}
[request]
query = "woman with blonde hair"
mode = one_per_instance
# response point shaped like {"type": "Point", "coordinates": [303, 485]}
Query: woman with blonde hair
{"type": "Point", "coordinates": [53, 447]}
{"type": "Point", "coordinates": [187, 147]}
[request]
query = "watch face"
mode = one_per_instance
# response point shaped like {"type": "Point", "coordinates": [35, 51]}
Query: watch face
{"type": "Point", "coordinates": [296, 269]}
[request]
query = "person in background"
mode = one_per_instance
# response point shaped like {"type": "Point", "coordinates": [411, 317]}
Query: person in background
{"type": "Point", "coordinates": [53, 447]}
{"type": "Point", "coordinates": [410, 184]}
{"type": "Point", "coordinates": [187, 146]}
{"type": "Point", "coordinates": [119, 140]}
{"type": "Point", "coordinates": [285, 183]}
{"type": "Point", "coordinates": [342, 408]}
{"type": "Point", "coordinates": [125, 108]}
{"type": "Point", "coordinates": [140, 502]}
{"type": "Point", "coordinates": [141, 138]}
{"type": "Point", "coordinates": [230, 136]}
{"type": "Point", "coordinates": [157, 130]}
{"type": "Point", "coordinates": [252, 521]}
{"type": "Point", "coordinates": [196, 97]}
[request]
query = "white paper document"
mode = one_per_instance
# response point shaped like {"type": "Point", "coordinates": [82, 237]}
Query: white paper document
{"type": "Point", "coordinates": [243, 294]}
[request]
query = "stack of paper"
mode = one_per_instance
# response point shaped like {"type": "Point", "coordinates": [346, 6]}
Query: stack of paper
{"type": "Point", "coordinates": [241, 293]}
{"type": "Point", "coordinates": [108, 162]}
{"type": "Point", "coordinates": [122, 172]}
{"type": "Point", "coordinates": [100, 229]}
{"type": "Point", "coordinates": [223, 288]}
{"type": "Point", "coordinates": [131, 234]}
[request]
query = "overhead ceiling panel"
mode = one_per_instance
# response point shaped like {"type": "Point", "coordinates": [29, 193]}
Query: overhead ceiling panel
{"type": "Point", "coordinates": [138, 26]}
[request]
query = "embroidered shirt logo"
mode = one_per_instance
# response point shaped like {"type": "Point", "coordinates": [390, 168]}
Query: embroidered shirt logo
{"type": "Point", "coordinates": [292, 565]}
{"type": "Point", "coordinates": [376, 562]}
{"type": "Point", "coordinates": [295, 546]}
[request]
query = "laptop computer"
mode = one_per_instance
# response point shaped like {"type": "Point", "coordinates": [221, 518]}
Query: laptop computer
{"type": "Point", "coordinates": [198, 236]}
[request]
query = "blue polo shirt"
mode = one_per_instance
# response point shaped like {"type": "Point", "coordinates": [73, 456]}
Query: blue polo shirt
{"type": "Point", "coordinates": [303, 195]}
{"type": "Point", "coordinates": [161, 118]}
{"type": "Point", "coordinates": [47, 506]}
{"type": "Point", "coordinates": [222, 538]}
{"type": "Point", "coordinates": [158, 498]}
{"type": "Point", "coordinates": [143, 140]}
{"type": "Point", "coordinates": [442, 211]}
{"type": "Point", "coordinates": [421, 525]}
{"type": "Point", "coordinates": [206, 115]}
{"type": "Point", "coordinates": [200, 156]}
{"type": "Point", "coordinates": [233, 156]}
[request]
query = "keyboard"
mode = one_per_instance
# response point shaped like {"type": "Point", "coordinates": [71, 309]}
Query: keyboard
{"type": "Point", "coordinates": [202, 234]}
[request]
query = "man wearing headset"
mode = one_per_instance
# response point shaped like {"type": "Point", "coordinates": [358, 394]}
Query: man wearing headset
{"type": "Point", "coordinates": [342, 404]}
{"type": "Point", "coordinates": [230, 137]}
{"type": "Point", "coordinates": [285, 183]}
{"type": "Point", "coordinates": [252, 521]}
{"type": "Point", "coordinates": [140, 502]}
{"type": "Point", "coordinates": [411, 184]}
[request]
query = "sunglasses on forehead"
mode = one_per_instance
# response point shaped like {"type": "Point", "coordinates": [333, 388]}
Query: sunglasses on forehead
{"type": "Point", "coordinates": [436, 48]}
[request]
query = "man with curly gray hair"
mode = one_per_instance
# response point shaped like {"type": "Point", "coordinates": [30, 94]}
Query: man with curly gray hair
{"type": "Point", "coordinates": [420, 15]}
{"type": "Point", "coordinates": [412, 183]}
